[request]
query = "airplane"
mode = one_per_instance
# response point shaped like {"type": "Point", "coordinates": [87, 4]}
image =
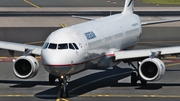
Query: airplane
{"type": "Point", "coordinates": [99, 43]}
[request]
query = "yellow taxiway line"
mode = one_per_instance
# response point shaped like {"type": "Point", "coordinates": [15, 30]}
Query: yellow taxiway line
{"type": "Point", "coordinates": [128, 95]}
{"type": "Point", "coordinates": [61, 99]}
{"type": "Point", "coordinates": [103, 95]}
{"type": "Point", "coordinates": [31, 4]}
{"type": "Point", "coordinates": [36, 42]}
{"type": "Point", "coordinates": [173, 64]}
{"type": "Point", "coordinates": [62, 25]}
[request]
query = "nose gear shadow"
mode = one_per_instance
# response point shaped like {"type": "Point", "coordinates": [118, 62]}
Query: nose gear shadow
{"type": "Point", "coordinates": [93, 81]}
{"type": "Point", "coordinates": [108, 78]}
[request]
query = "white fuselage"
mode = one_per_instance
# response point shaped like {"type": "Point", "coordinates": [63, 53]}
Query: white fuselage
{"type": "Point", "coordinates": [96, 43]}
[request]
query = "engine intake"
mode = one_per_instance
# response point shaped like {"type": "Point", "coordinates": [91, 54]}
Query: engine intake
{"type": "Point", "coordinates": [25, 67]}
{"type": "Point", "coordinates": [152, 69]}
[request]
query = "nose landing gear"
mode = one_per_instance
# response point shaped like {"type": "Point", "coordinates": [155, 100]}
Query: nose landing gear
{"type": "Point", "coordinates": [63, 87]}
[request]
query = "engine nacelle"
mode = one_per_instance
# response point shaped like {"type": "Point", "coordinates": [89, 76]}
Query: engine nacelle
{"type": "Point", "coordinates": [25, 67]}
{"type": "Point", "coordinates": [152, 69]}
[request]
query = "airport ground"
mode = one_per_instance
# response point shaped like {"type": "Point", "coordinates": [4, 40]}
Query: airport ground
{"type": "Point", "coordinates": [73, 3]}
{"type": "Point", "coordinates": [111, 84]}
{"type": "Point", "coordinates": [91, 85]}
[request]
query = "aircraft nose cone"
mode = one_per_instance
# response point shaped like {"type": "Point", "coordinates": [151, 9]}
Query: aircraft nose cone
{"type": "Point", "coordinates": [49, 58]}
{"type": "Point", "coordinates": [54, 63]}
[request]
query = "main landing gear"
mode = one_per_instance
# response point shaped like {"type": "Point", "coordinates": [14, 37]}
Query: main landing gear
{"type": "Point", "coordinates": [135, 76]}
{"type": "Point", "coordinates": [63, 85]}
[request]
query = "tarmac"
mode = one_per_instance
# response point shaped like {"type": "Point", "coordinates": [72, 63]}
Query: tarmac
{"type": "Point", "coordinates": [66, 9]}
{"type": "Point", "coordinates": [26, 16]}
{"type": "Point", "coordinates": [74, 3]}
{"type": "Point", "coordinates": [55, 21]}
{"type": "Point", "coordinates": [91, 85]}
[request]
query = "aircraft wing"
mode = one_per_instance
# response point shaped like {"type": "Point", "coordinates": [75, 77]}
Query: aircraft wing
{"type": "Point", "coordinates": [134, 54]}
{"type": "Point", "coordinates": [20, 47]}
{"type": "Point", "coordinates": [160, 21]}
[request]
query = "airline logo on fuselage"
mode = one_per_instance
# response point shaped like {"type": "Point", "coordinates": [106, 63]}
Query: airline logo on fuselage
{"type": "Point", "coordinates": [90, 35]}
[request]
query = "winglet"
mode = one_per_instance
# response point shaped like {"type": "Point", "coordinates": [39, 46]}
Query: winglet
{"type": "Point", "coordinates": [128, 7]}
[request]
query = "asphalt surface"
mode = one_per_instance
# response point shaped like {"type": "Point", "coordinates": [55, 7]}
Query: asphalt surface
{"type": "Point", "coordinates": [72, 3]}
{"type": "Point", "coordinates": [112, 84]}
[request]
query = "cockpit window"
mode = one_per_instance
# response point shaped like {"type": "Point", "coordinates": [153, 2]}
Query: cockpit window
{"type": "Point", "coordinates": [63, 46]}
{"type": "Point", "coordinates": [71, 46]}
{"type": "Point", "coordinates": [52, 46]}
{"type": "Point", "coordinates": [45, 45]}
{"type": "Point", "coordinates": [75, 46]}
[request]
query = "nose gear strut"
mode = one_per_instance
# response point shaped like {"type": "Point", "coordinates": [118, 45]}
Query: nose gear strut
{"type": "Point", "coordinates": [63, 87]}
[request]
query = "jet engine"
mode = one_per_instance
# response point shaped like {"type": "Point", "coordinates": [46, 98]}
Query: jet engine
{"type": "Point", "coordinates": [25, 67]}
{"type": "Point", "coordinates": [151, 69]}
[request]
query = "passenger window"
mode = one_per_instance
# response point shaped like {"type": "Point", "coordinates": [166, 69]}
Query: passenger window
{"type": "Point", "coordinates": [52, 46]}
{"type": "Point", "coordinates": [71, 46]}
{"type": "Point", "coordinates": [45, 45]}
{"type": "Point", "coordinates": [75, 46]}
{"type": "Point", "coordinates": [63, 46]}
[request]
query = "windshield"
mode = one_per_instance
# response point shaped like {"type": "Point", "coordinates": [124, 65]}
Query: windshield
{"type": "Point", "coordinates": [63, 46]}
{"type": "Point", "coordinates": [52, 46]}
{"type": "Point", "coordinates": [75, 46]}
{"type": "Point", "coordinates": [45, 45]}
{"type": "Point", "coordinates": [72, 46]}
